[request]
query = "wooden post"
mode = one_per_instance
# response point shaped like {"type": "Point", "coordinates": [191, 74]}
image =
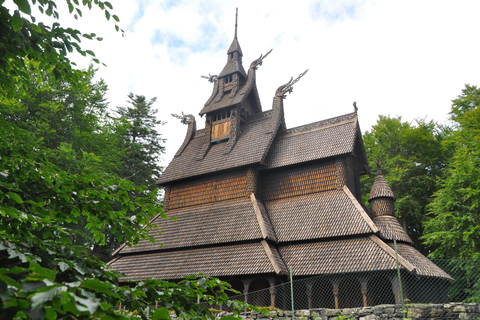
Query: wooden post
{"type": "Point", "coordinates": [335, 293]}
{"type": "Point", "coordinates": [364, 294]}
{"type": "Point", "coordinates": [272, 297]}
{"type": "Point", "coordinates": [364, 284]}
{"type": "Point", "coordinates": [336, 284]}
{"type": "Point", "coordinates": [309, 286]}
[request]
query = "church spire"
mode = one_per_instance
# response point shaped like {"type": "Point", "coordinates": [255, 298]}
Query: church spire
{"type": "Point", "coordinates": [236, 24]}
{"type": "Point", "coordinates": [235, 46]}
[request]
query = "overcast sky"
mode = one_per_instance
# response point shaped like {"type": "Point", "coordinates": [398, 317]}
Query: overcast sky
{"type": "Point", "coordinates": [405, 58]}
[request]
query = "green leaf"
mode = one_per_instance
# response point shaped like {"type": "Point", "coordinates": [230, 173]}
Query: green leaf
{"type": "Point", "coordinates": [40, 273]}
{"type": "Point", "coordinates": [99, 286]}
{"type": "Point", "coordinates": [63, 266]}
{"type": "Point", "coordinates": [17, 21]}
{"type": "Point", "coordinates": [23, 5]}
{"type": "Point", "coordinates": [31, 286]}
{"type": "Point", "coordinates": [14, 196]}
{"type": "Point", "coordinates": [86, 304]}
{"type": "Point", "coordinates": [162, 314]}
{"type": "Point", "coordinates": [9, 281]}
{"type": "Point", "coordinates": [42, 297]}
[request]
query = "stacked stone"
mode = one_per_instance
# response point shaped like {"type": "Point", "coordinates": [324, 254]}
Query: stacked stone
{"type": "Point", "coordinates": [461, 311]}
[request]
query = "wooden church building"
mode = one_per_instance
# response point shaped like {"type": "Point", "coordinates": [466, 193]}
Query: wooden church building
{"type": "Point", "coordinates": [253, 198]}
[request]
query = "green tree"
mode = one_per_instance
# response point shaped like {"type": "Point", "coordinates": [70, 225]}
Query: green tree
{"type": "Point", "coordinates": [412, 161]}
{"type": "Point", "coordinates": [23, 38]}
{"type": "Point", "coordinates": [143, 143]}
{"type": "Point", "coordinates": [71, 118]}
{"type": "Point", "coordinates": [454, 230]}
{"type": "Point", "coordinates": [43, 274]}
{"type": "Point", "coordinates": [77, 133]}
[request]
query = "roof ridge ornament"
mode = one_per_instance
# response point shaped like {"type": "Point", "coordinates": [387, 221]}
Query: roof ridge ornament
{"type": "Point", "coordinates": [210, 78]}
{"type": "Point", "coordinates": [185, 119]}
{"type": "Point", "coordinates": [355, 106]}
{"type": "Point", "coordinates": [379, 168]}
{"type": "Point", "coordinates": [258, 62]}
{"type": "Point", "coordinates": [288, 87]}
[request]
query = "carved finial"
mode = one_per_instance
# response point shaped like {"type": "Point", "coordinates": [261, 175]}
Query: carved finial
{"type": "Point", "coordinates": [288, 87]}
{"type": "Point", "coordinates": [185, 119]}
{"type": "Point", "coordinates": [355, 106]}
{"type": "Point", "coordinates": [236, 19]}
{"type": "Point", "coordinates": [258, 62]}
{"type": "Point", "coordinates": [210, 78]}
{"type": "Point", "coordinates": [379, 169]}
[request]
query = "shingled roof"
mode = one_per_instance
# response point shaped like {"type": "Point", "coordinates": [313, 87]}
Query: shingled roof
{"type": "Point", "coordinates": [322, 215]}
{"type": "Point", "coordinates": [250, 148]}
{"type": "Point", "coordinates": [380, 188]}
{"type": "Point", "coordinates": [338, 256]}
{"type": "Point", "coordinates": [208, 224]}
{"type": "Point", "coordinates": [218, 261]}
{"type": "Point", "coordinates": [318, 140]}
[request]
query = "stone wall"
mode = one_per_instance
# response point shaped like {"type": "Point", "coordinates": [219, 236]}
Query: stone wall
{"type": "Point", "coordinates": [381, 312]}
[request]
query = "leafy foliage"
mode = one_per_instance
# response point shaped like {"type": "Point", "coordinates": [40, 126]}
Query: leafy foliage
{"type": "Point", "coordinates": [79, 136]}
{"type": "Point", "coordinates": [43, 274]}
{"type": "Point", "coordinates": [23, 38]}
{"type": "Point", "coordinates": [53, 182]}
{"type": "Point", "coordinates": [143, 142]}
{"type": "Point", "coordinates": [412, 161]}
{"type": "Point", "coordinates": [454, 230]}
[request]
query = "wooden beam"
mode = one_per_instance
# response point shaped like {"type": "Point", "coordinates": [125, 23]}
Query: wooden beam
{"type": "Point", "coordinates": [259, 216]}
{"type": "Point", "coordinates": [410, 267]}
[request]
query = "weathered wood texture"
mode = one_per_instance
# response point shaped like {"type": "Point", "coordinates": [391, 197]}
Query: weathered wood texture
{"type": "Point", "coordinates": [221, 130]}
{"type": "Point", "coordinates": [383, 206]}
{"type": "Point", "coordinates": [298, 181]}
{"type": "Point", "coordinates": [207, 190]}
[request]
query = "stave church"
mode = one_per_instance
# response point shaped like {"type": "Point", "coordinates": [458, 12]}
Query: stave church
{"type": "Point", "coordinates": [254, 199]}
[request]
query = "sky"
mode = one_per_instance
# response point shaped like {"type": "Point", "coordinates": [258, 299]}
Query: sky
{"type": "Point", "coordinates": [399, 58]}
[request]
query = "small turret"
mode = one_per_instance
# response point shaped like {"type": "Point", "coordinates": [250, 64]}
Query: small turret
{"type": "Point", "coordinates": [381, 196]}
{"type": "Point", "coordinates": [382, 199]}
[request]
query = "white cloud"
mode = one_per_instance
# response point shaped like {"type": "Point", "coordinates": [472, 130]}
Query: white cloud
{"type": "Point", "coordinates": [407, 58]}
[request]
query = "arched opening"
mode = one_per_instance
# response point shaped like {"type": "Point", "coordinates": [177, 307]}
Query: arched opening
{"type": "Point", "coordinates": [237, 285]}
{"type": "Point", "coordinates": [259, 293]}
{"type": "Point", "coordinates": [379, 291]}
{"type": "Point", "coordinates": [322, 294]}
{"type": "Point", "coordinates": [350, 293]}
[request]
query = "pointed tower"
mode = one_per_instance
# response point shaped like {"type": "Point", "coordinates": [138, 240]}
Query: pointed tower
{"type": "Point", "coordinates": [234, 97]}
{"type": "Point", "coordinates": [382, 201]}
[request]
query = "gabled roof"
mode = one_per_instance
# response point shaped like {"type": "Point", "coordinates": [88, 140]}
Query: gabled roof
{"type": "Point", "coordinates": [423, 266]}
{"type": "Point", "coordinates": [339, 256]}
{"type": "Point", "coordinates": [317, 140]}
{"type": "Point", "coordinates": [318, 216]}
{"type": "Point", "coordinates": [252, 144]}
{"type": "Point", "coordinates": [240, 259]}
{"type": "Point", "coordinates": [209, 224]}
{"type": "Point", "coordinates": [356, 255]}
